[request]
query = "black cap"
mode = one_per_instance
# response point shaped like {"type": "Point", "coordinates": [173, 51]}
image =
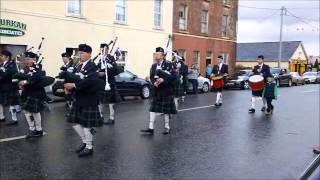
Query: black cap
{"type": "Point", "coordinates": [102, 45]}
{"type": "Point", "coordinates": [260, 57]}
{"type": "Point", "coordinates": [30, 55]}
{"type": "Point", "coordinates": [159, 49]}
{"type": "Point", "coordinates": [220, 57]}
{"type": "Point", "coordinates": [65, 55]}
{"type": "Point", "coordinates": [85, 48]}
{"type": "Point", "coordinates": [6, 53]}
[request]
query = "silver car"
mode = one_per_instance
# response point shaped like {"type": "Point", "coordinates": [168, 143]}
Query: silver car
{"type": "Point", "coordinates": [311, 77]}
{"type": "Point", "coordinates": [203, 85]}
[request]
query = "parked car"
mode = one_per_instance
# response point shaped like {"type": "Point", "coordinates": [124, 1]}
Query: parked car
{"type": "Point", "coordinates": [203, 85]}
{"type": "Point", "coordinates": [311, 77]}
{"type": "Point", "coordinates": [239, 80]}
{"type": "Point", "coordinates": [282, 76]}
{"type": "Point", "coordinates": [128, 84]}
{"type": "Point", "coordinates": [297, 79]}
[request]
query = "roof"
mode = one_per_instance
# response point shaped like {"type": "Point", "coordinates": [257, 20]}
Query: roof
{"type": "Point", "coordinates": [250, 51]}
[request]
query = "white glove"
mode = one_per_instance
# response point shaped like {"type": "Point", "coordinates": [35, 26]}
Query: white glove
{"type": "Point", "coordinates": [109, 65]}
{"type": "Point", "coordinates": [179, 65]}
{"type": "Point", "coordinates": [2, 69]}
{"type": "Point", "coordinates": [70, 69]}
{"type": "Point", "coordinates": [80, 75]}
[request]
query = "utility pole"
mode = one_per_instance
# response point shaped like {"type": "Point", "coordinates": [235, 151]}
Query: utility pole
{"type": "Point", "coordinates": [283, 12]}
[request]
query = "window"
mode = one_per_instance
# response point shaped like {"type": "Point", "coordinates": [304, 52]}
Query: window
{"type": "Point", "coordinates": [121, 11]}
{"type": "Point", "coordinates": [74, 7]}
{"type": "Point", "coordinates": [225, 57]}
{"type": "Point", "coordinates": [183, 17]}
{"type": "Point", "coordinates": [196, 59]}
{"type": "Point", "coordinates": [182, 53]}
{"type": "Point", "coordinates": [225, 25]}
{"type": "Point", "coordinates": [227, 2]}
{"type": "Point", "coordinates": [208, 58]}
{"type": "Point", "coordinates": [157, 13]}
{"type": "Point", "coordinates": [204, 22]}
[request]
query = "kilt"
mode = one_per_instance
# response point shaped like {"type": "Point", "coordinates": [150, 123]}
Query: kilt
{"type": "Point", "coordinates": [110, 97]}
{"type": "Point", "coordinates": [33, 105]}
{"type": "Point", "coordinates": [85, 116]}
{"type": "Point", "coordinates": [178, 89]}
{"type": "Point", "coordinates": [9, 98]}
{"type": "Point", "coordinates": [217, 89]}
{"type": "Point", "coordinates": [257, 93]}
{"type": "Point", "coordinates": [163, 104]}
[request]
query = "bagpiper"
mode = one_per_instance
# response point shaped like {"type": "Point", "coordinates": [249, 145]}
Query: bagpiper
{"type": "Point", "coordinates": [220, 70]}
{"type": "Point", "coordinates": [107, 68]}
{"type": "Point", "coordinates": [9, 95]}
{"type": "Point", "coordinates": [85, 112]}
{"type": "Point", "coordinates": [33, 95]}
{"type": "Point", "coordinates": [263, 70]}
{"type": "Point", "coordinates": [162, 78]}
{"type": "Point", "coordinates": [178, 81]}
{"type": "Point", "coordinates": [68, 66]}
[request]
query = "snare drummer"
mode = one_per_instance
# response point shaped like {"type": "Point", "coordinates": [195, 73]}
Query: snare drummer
{"type": "Point", "coordinates": [263, 70]}
{"type": "Point", "coordinates": [221, 69]}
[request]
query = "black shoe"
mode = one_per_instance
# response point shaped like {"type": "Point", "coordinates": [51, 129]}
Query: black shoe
{"type": "Point", "coordinates": [216, 105]}
{"type": "Point", "coordinates": [85, 152]}
{"type": "Point", "coordinates": [81, 147]}
{"type": "Point", "coordinates": [31, 134]}
{"type": "Point", "coordinates": [12, 123]}
{"type": "Point", "coordinates": [2, 120]}
{"type": "Point", "coordinates": [252, 110]}
{"type": "Point", "coordinates": [149, 131]}
{"type": "Point", "coordinates": [166, 131]}
{"type": "Point", "coordinates": [109, 122]}
{"type": "Point", "coordinates": [220, 104]}
{"type": "Point", "coordinates": [263, 109]}
{"type": "Point", "coordinates": [316, 150]}
{"type": "Point", "coordinates": [38, 133]}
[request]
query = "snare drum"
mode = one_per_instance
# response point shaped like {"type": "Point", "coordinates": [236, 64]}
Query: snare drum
{"type": "Point", "coordinates": [256, 83]}
{"type": "Point", "coordinates": [218, 82]}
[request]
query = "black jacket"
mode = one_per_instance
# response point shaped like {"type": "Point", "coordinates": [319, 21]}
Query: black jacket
{"type": "Point", "coordinates": [166, 72]}
{"type": "Point", "coordinates": [31, 89]}
{"type": "Point", "coordinates": [265, 70]}
{"type": "Point", "coordinates": [67, 66]}
{"type": "Point", "coordinates": [85, 98]}
{"type": "Point", "coordinates": [112, 71]}
{"type": "Point", "coordinates": [10, 68]}
{"type": "Point", "coordinates": [216, 71]}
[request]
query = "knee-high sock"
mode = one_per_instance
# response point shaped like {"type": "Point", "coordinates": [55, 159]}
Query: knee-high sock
{"type": "Point", "coordinates": [253, 102]}
{"type": "Point", "coordinates": [176, 103]}
{"type": "Point", "coordinates": [219, 97]}
{"type": "Point", "coordinates": [1, 112]}
{"type": "Point", "coordinates": [100, 106]}
{"type": "Point", "coordinates": [79, 129]}
{"type": "Point", "coordinates": [264, 100]}
{"type": "Point", "coordinates": [13, 112]}
{"type": "Point", "coordinates": [152, 119]}
{"type": "Point", "coordinates": [37, 120]}
{"type": "Point", "coordinates": [29, 120]}
{"type": "Point", "coordinates": [111, 109]}
{"type": "Point", "coordinates": [167, 121]}
{"type": "Point", "coordinates": [89, 138]}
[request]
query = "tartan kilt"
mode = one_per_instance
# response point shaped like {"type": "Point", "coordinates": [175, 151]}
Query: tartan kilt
{"type": "Point", "coordinates": [257, 93]}
{"type": "Point", "coordinates": [9, 98]}
{"type": "Point", "coordinates": [110, 97]}
{"type": "Point", "coordinates": [33, 105]}
{"type": "Point", "coordinates": [163, 104]}
{"type": "Point", "coordinates": [217, 89]}
{"type": "Point", "coordinates": [178, 89]}
{"type": "Point", "coordinates": [85, 116]}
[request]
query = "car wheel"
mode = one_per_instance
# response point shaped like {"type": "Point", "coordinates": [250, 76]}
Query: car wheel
{"type": "Point", "coordinates": [290, 83]}
{"type": "Point", "coordinates": [205, 87]}
{"type": "Point", "coordinates": [145, 92]}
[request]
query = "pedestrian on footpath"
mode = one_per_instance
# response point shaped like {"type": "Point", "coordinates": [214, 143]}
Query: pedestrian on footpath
{"type": "Point", "coordinates": [193, 78]}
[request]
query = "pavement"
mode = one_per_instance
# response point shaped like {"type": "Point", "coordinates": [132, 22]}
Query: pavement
{"type": "Point", "coordinates": [205, 142]}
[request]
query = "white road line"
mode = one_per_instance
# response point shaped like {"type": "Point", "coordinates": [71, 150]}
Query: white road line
{"type": "Point", "coordinates": [309, 91]}
{"type": "Point", "coordinates": [195, 108]}
{"type": "Point", "coordinates": [15, 138]}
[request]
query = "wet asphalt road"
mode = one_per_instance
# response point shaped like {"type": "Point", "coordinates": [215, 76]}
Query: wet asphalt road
{"type": "Point", "coordinates": [205, 143]}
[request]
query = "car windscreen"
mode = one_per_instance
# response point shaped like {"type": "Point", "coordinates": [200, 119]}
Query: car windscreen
{"type": "Point", "coordinates": [275, 71]}
{"type": "Point", "coordinates": [310, 74]}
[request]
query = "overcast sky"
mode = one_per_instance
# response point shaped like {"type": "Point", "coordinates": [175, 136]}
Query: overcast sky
{"type": "Point", "coordinates": [263, 24]}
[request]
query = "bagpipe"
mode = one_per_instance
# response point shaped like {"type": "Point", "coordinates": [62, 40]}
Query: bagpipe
{"type": "Point", "coordinates": [30, 73]}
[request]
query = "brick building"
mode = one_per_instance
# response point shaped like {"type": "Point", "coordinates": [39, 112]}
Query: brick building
{"type": "Point", "coordinates": [204, 29]}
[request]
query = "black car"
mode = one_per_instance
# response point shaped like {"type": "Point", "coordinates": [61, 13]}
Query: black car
{"type": "Point", "coordinates": [128, 84]}
{"type": "Point", "coordinates": [282, 76]}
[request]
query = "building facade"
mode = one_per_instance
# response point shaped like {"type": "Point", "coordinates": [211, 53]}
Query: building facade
{"type": "Point", "coordinates": [139, 25]}
{"type": "Point", "coordinates": [205, 29]}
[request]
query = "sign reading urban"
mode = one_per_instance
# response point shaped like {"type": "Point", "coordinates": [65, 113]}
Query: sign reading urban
{"type": "Point", "coordinates": [12, 28]}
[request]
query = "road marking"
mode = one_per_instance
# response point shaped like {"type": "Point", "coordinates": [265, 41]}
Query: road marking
{"type": "Point", "coordinates": [310, 91]}
{"type": "Point", "coordinates": [15, 138]}
{"type": "Point", "coordinates": [195, 108]}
